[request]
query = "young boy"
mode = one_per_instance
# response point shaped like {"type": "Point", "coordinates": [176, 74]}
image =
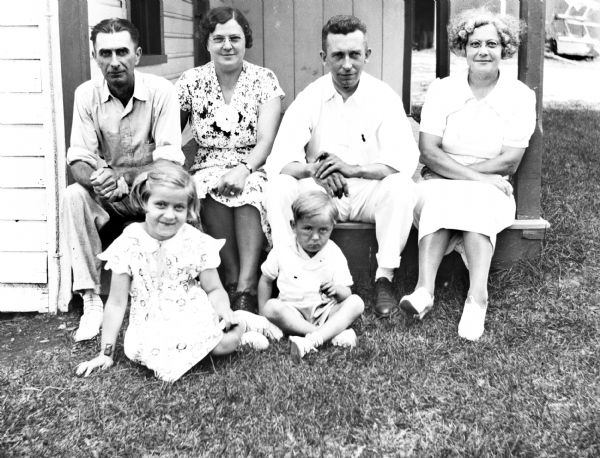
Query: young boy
{"type": "Point", "coordinates": [315, 303]}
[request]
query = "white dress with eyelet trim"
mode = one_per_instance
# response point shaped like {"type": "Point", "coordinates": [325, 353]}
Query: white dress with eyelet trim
{"type": "Point", "coordinates": [172, 324]}
{"type": "Point", "coordinates": [472, 131]}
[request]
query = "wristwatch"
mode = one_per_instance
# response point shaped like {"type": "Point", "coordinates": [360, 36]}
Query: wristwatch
{"type": "Point", "coordinates": [244, 162]}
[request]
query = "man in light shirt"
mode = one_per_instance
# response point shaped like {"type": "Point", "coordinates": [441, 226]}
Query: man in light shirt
{"type": "Point", "coordinates": [347, 134]}
{"type": "Point", "coordinates": [121, 123]}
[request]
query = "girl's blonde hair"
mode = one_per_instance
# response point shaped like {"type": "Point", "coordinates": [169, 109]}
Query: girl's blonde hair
{"type": "Point", "coordinates": [462, 26]}
{"type": "Point", "coordinates": [165, 173]}
{"type": "Point", "coordinates": [313, 203]}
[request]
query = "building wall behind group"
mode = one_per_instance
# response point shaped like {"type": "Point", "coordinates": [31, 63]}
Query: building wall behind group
{"type": "Point", "coordinates": [178, 33]}
{"type": "Point", "coordinates": [28, 153]}
{"type": "Point", "coordinates": [287, 37]}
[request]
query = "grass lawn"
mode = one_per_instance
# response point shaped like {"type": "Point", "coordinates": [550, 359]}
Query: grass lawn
{"type": "Point", "coordinates": [530, 387]}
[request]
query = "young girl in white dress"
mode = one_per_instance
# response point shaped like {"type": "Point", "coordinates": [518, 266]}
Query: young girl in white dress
{"type": "Point", "coordinates": [179, 310]}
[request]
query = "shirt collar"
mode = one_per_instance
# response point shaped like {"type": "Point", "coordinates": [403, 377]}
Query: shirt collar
{"type": "Point", "coordinates": [330, 91]}
{"type": "Point", "coordinates": [140, 89]}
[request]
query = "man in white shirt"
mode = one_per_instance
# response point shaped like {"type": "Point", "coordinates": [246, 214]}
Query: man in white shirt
{"type": "Point", "coordinates": [122, 122]}
{"type": "Point", "coordinates": [347, 134]}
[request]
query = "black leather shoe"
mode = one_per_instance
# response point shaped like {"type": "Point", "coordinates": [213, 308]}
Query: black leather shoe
{"type": "Point", "coordinates": [232, 292]}
{"type": "Point", "coordinates": [245, 301]}
{"type": "Point", "coordinates": [385, 303]}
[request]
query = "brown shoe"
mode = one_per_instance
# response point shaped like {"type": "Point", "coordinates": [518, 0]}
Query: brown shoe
{"type": "Point", "coordinates": [245, 301]}
{"type": "Point", "coordinates": [385, 303]}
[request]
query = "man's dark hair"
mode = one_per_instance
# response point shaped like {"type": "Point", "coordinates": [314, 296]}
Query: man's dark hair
{"type": "Point", "coordinates": [114, 25]}
{"type": "Point", "coordinates": [341, 25]}
{"type": "Point", "coordinates": [221, 15]}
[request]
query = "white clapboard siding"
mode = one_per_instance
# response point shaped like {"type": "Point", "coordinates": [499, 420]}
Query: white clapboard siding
{"type": "Point", "coordinates": [20, 76]}
{"type": "Point", "coordinates": [103, 9]}
{"type": "Point", "coordinates": [23, 12]}
{"type": "Point", "coordinates": [23, 236]}
{"type": "Point", "coordinates": [23, 267]}
{"type": "Point", "coordinates": [178, 34]}
{"type": "Point", "coordinates": [23, 298]}
{"type": "Point", "coordinates": [22, 172]}
{"type": "Point", "coordinates": [22, 108]}
{"type": "Point", "coordinates": [23, 204]}
{"type": "Point", "coordinates": [20, 140]}
{"type": "Point", "coordinates": [178, 7]}
{"type": "Point", "coordinates": [20, 42]}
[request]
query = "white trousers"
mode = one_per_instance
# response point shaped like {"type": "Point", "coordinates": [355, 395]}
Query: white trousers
{"type": "Point", "coordinates": [388, 203]}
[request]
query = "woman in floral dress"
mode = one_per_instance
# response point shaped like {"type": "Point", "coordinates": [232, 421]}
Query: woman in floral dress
{"type": "Point", "coordinates": [234, 108]}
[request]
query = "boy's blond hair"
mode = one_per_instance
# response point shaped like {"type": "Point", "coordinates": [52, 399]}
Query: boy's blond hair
{"type": "Point", "coordinates": [312, 203]}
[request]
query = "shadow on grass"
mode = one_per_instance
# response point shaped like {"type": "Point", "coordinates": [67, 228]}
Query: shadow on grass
{"type": "Point", "coordinates": [530, 387]}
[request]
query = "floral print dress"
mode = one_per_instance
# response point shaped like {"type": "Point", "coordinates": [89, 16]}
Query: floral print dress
{"type": "Point", "coordinates": [226, 133]}
{"type": "Point", "coordinates": [172, 324]}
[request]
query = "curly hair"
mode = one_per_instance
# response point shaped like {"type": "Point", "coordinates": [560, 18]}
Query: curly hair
{"type": "Point", "coordinates": [221, 15]}
{"type": "Point", "coordinates": [165, 173]}
{"type": "Point", "coordinates": [462, 26]}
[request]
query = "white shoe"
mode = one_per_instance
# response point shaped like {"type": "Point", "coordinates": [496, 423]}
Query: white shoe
{"type": "Point", "coordinates": [346, 338]}
{"type": "Point", "coordinates": [259, 324]}
{"type": "Point", "coordinates": [89, 325]}
{"type": "Point", "coordinates": [254, 340]}
{"type": "Point", "coordinates": [300, 346]}
{"type": "Point", "coordinates": [472, 322]}
{"type": "Point", "coordinates": [417, 304]}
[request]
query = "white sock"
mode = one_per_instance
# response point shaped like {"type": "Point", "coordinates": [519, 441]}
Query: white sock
{"type": "Point", "coordinates": [384, 272]}
{"type": "Point", "coordinates": [92, 302]}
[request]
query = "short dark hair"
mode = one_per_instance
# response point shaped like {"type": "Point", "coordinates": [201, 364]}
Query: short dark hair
{"type": "Point", "coordinates": [221, 15]}
{"type": "Point", "coordinates": [341, 24]}
{"type": "Point", "coordinates": [114, 25]}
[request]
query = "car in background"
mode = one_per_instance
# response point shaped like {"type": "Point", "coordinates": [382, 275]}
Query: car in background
{"type": "Point", "coordinates": [571, 36]}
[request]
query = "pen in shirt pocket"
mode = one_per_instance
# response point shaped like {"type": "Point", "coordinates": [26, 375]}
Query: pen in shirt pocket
{"type": "Point", "coordinates": [362, 136]}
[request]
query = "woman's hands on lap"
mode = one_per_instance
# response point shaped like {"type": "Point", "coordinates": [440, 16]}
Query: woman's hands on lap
{"type": "Point", "coordinates": [233, 182]}
{"type": "Point", "coordinates": [498, 181]}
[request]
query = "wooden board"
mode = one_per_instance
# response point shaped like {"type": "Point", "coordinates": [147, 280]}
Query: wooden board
{"type": "Point", "coordinates": [23, 298]}
{"type": "Point", "coordinates": [371, 14]}
{"type": "Point", "coordinates": [23, 267]}
{"type": "Point", "coordinates": [392, 52]}
{"type": "Point", "coordinates": [253, 10]}
{"type": "Point", "coordinates": [98, 10]}
{"type": "Point", "coordinates": [22, 108]}
{"type": "Point", "coordinates": [279, 47]}
{"type": "Point", "coordinates": [22, 172]}
{"type": "Point", "coordinates": [178, 7]}
{"type": "Point", "coordinates": [23, 204]}
{"type": "Point", "coordinates": [20, 76]}
{"type": "Point", "coordinates": [335, 7]}
{"type": "Point", "coordinates": [20, 42]}
{"type": "Point", "coordinates": [24, 140]}
{"type": "Point", "coordinates": [308, 17]}
{"type": "Point", "coordinates": [23, 235]}
{"type": "Point", "coordinates": [21, 12]}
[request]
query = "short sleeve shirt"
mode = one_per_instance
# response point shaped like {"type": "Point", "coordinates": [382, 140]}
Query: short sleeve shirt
{"type": "Point", "coordinates": [199, 93]}
{"type": "Point", "coordinates": [474, 130]}
{"type": "Point", "coordinates": [299, 277]}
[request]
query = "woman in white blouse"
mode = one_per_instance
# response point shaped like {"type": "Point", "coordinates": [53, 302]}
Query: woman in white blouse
{"type": "Point", "coordinates": [474, 128]}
